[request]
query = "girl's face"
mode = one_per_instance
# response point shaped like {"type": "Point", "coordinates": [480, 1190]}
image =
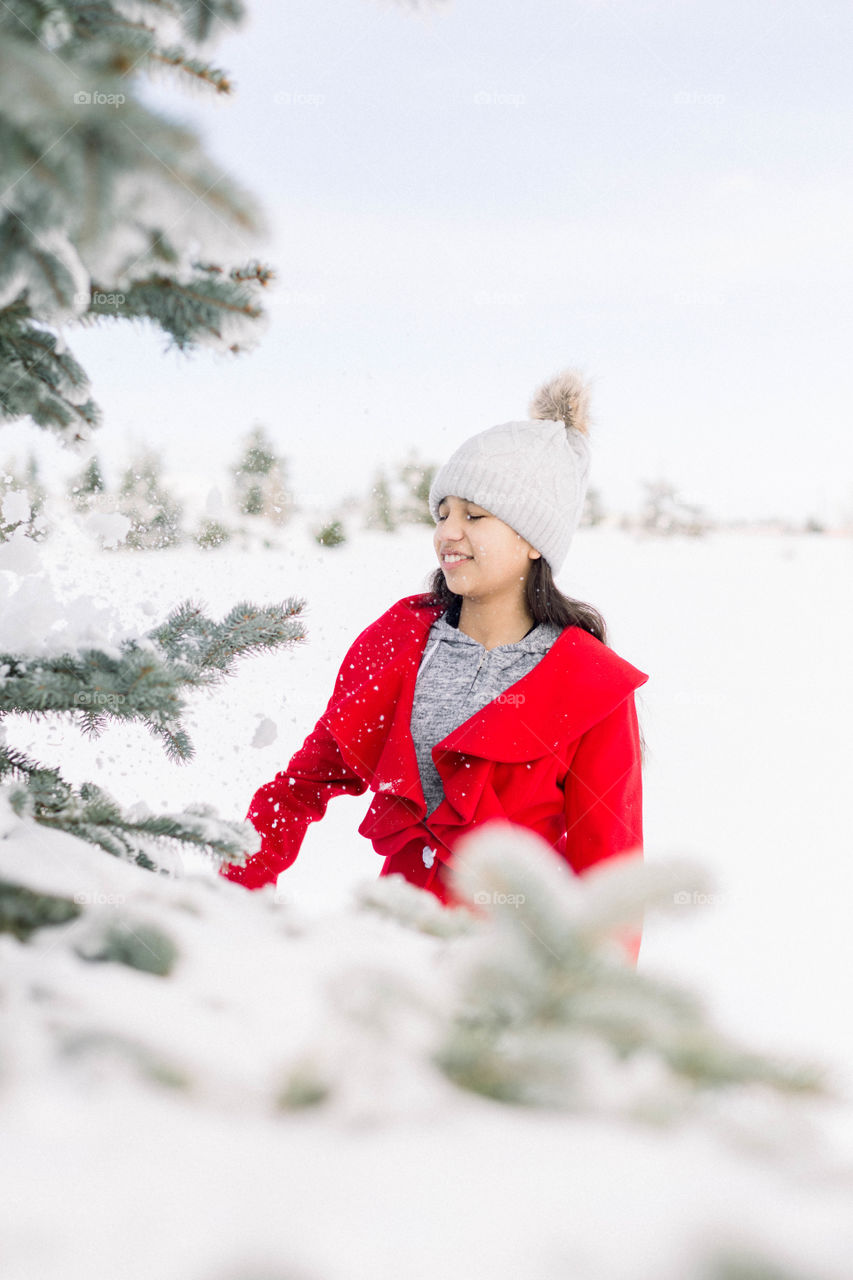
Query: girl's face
{"type": "Point", "coordinates": [493, 556]}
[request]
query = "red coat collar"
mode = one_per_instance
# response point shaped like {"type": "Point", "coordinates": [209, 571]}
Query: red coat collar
{"type": "Point", "coordinates": [573, 686]}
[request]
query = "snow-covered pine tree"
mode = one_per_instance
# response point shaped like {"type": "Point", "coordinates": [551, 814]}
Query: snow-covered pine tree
{"type": "Point", "coordinates": [88, 488]}
{"type": "Point", "coordinates": [331, 534]}
{"type": "Point", "coordinates": [143, 680]}
{"type": "Point", "coordinates": [260, 480]}
{"type": "Point", "coordinates": [95, 224]}
{"type": "Point", "coordinates": [665, 512]}
{"type": "Point", "coordinates": [380, 512]}
{"type": "Point", "coordinates": [154, 514]}
{"type": "Point", "coordinates": [213, 529]}
{"type": "Point", "coordinates": [415, 478]}
{"type": "Point", "coordinates": [548, 1013]}
{"type": "Point", "coordinates": [593, 508]}
{"type": "Point", "coordinates": [211, 534]}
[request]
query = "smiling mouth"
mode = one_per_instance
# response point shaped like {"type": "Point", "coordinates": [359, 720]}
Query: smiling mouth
{"type": "Point", "coordinates": [455, 559]}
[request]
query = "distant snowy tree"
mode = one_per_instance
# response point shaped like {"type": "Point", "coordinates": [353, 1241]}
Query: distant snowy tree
{"type": "Point", "coordinates": [331, 534]}
{"type": "Point", "coordinates": [664, 512]}
{"type": "Point", "coordinates": [415, 478]}
{"type": "Point", "coordinates": [593, 508]}
{"type": "Point", "coordinates": [212, 534]}
{"type": "Point", "coordinates": [87, 487]}
{"type": "Point", "coordinates": [154, 514]}
{"type": "Point", "coordinates": [260, 480]}
{"type": "Point", "coordinates": [380, 512]}
{"type": "Point", "coordinates": [399, 495]}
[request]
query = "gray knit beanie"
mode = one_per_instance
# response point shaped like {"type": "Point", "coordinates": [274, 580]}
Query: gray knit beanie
{"type": "Point", "coordinates": [532, 475]}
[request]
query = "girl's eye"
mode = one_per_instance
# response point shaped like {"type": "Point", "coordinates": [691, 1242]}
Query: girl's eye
{"type": "Point", "coordinates": [470, 517]}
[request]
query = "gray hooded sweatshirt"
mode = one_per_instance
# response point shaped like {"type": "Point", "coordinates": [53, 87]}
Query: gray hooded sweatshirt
{"type": "Point", "coordinates": [456, 678]}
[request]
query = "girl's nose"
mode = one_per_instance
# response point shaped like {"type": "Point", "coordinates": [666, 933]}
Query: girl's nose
{"type": "Point", "coordinates": [450, 529]}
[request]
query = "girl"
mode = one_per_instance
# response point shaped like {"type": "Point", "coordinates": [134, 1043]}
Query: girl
{"type": "Point", "coordinates": [492, 695]}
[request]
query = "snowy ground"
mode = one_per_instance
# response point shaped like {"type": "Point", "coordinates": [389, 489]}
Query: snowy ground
{"type": "Point", "coordinates": [747, 720]}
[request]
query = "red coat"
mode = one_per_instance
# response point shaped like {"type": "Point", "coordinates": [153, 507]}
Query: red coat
{"type": "Point", "coordinates": [557, 752]}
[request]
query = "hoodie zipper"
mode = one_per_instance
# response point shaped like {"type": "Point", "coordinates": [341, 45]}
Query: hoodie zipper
{"type": "Point", "coordinates": [483, 657]}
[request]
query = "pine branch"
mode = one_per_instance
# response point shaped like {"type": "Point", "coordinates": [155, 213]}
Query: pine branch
{"type": "Point", "coordinates": [15, 764]}
{"type": "Point", "coordinates": [50, 275]}
{"type": "Point", "coordinates": [89, 813]}
{"type": "Point", "coordinates": [202, 19]}
{"type": "Point", "coordinates": [191, 311]}
{"type": "Point", "coordinates": [40, 380]}
{"type": "Point", "coordinates": [139, 685]}
{"type": "Point", "coordinates": [145, 682]}
{"type": "Point", "coordinates": [254, 271]}
{"type": "Point", "coordinates": [112, 39]}
{"type": "Point", "coordinates": [200, 72]}
{"type": "Point", "coordinates": [188, 636]}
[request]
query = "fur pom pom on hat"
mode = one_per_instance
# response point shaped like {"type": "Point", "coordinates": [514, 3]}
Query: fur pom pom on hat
{"type": "Point", "coordinates": [563, 398]}
{"type": "Point", "coordinates": [533, 475]}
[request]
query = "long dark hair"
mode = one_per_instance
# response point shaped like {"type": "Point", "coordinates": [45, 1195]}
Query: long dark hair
{"type": "Point", "coordinates": [545, 601]}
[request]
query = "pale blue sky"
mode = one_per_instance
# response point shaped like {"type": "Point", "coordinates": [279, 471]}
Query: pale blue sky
{"type": "Point", "coordinates": [463, 202]}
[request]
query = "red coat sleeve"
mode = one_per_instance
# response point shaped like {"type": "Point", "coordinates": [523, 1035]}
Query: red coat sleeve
{"type": "Point", "coordinates": [604, 797]}
{"type": "Point", "coordinates": [281, 810]}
